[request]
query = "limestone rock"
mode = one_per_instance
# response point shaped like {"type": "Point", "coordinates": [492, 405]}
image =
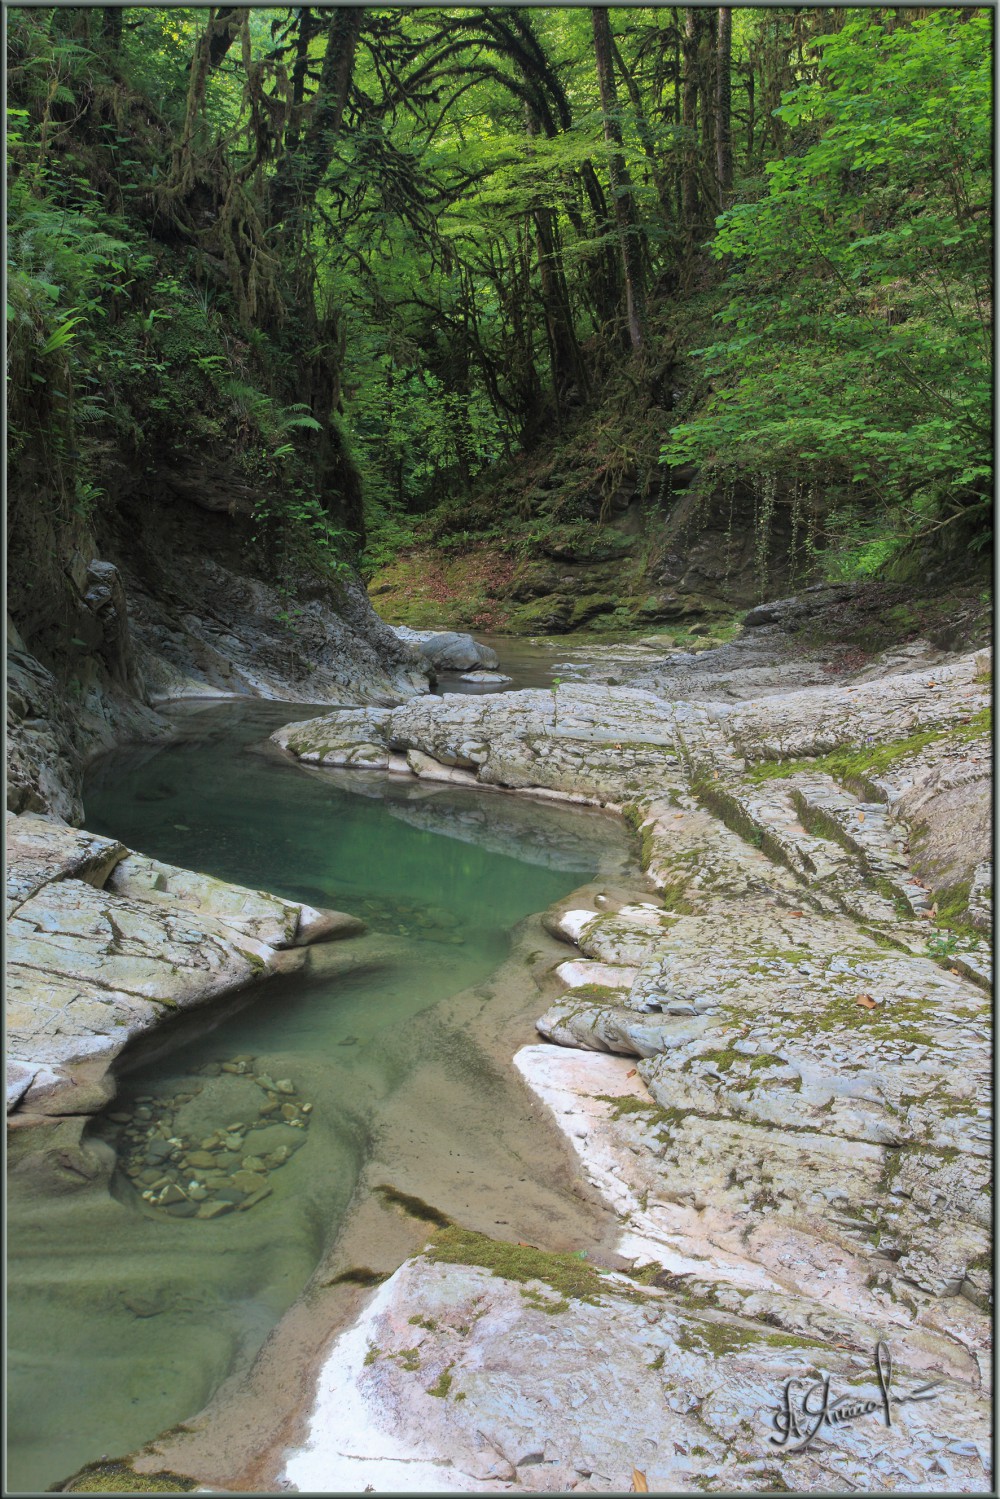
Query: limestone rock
{"type": "Point", "coordinates": [40, 852]}
{"type": "Point", "coordinates": [449, 650]}
{"type": "Point", "coordinates": [101, 943]}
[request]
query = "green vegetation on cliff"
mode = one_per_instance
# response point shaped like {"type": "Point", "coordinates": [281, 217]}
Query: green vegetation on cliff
{"type": "Point", "coordinates": [644, 312]}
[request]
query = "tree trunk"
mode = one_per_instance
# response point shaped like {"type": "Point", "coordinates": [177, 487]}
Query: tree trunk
{"type": "Point", "coordinates": [222, 28]}
{"type": "Point", "coordinates": [308, 27]}
{"type": "Point", "coordinates": [751, 111]}
{"type": "Point", "coordinates": [299, 177]}
{"type": "Point", "coordinates": [629, 232]}
{"type": "Point", "coordinates": [723, 104]}
{"type": "Point", "coordinates": [111, 27]}
{"type": "Point", "coordinates": [645, 134]}
{"type": "Point", "coordinates": [689, 120]}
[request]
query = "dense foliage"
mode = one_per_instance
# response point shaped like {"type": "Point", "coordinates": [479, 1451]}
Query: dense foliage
{"type": "Point", "coordinates": [859, 328]}
{"type": "Point", "coordinates": [299, 256]}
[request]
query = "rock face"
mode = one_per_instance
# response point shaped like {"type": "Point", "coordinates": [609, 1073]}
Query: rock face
{"type": "Point", "coordinates": [172, 609]}
{"type": "Point", "coordinates": [456, 1379]}
{"type": "Point", "coordinates": [103, 944]}
{"type": "Point", "coordinates": [448, 650]}
{"type": "Point", "coordinates": [237, 634]}
{"type": "Point", "coordinates": [777, 1070]}
{"type": "Point", "coordinates": [50, 733]}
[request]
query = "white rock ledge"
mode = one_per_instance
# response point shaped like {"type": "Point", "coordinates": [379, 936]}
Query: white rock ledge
{"type": "Point", "coordinates": [103, 944]}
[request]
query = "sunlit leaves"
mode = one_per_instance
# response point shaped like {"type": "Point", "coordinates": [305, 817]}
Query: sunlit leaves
{"type": "Point", "coordinates": [856, 343]}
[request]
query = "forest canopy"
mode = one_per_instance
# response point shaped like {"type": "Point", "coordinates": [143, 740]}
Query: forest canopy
{"type": "Point", "coordinates": [366, 253]}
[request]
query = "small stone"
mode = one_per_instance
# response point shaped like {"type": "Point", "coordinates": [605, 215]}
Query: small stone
{"type": "Point", "coordinates": [255, 1198]}
{"type": "Point", "coordinates": [307, 1108]}
{"type": "Point", "coordinates": [183, 1209]}
{"type": "Point", "coordinates": [234, 1143]}
{"type": "Point", "coordinates": [268, 1107]}
{"type": "Point", "coordinates": [211, 1142]}
{"type": "Point", "coordinates": [197, 1192]}
{"type": "Point", "coordinates": [253, 1163]}
{"type": "Point", "coordinates": [279, 1157]}
{"type": "Point", "coordinates": [144, 1113]}
{"type": "Point", "coordinates": [202, 1160]}
{"type": "Point", "coordinates": [239, 1068]}
{"type": "Point", "coordinates": [170, 1194]}
{"type": "Point", "coordinates": [244, 1056]}
{"type": "Point", "coordinates": [144, 1306]}
{"type": "Point", "coordinates": [120, 1118]}
{"type": "Point", "coordinates": [289, 1112]}
{"type": "Point", "coordinates": [233, 1128]}
{"type": "Point", "coordinates": [248, 1181]}
{"type": "Point", "coordinates": [232, 1195]}
{"type": "Point", "coordinates": [263, 1081]}
{"type": "Point", "coordinates": [214, 1209]}
{"type": "Point", "coordinates": [148, 1176]}
{"type": "Point", "coordinates": [284, 1085]}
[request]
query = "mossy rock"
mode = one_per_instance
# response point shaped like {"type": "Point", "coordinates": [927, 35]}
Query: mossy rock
{"type": "Point", "coordinates": [115, 1475]}
{"type": "Point", "coordinates": [855, 766]}
{"type": "Point", "coordinates": [567, 1274]}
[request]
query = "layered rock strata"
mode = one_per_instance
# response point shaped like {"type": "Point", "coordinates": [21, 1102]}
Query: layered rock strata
{"type": "Point", "coordinates": [777, 1069]}
{"type": "Point", "coordinates": [104, 944]}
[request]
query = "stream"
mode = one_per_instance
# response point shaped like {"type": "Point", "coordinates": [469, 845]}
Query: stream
{"type": "Point", "coordinates": [122, 1319]}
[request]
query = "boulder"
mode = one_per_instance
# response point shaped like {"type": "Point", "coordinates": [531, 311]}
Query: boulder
{"type": "Point", "coordinates": [103, 943]}
{"type": "Point", "coordinates": [448, 650]}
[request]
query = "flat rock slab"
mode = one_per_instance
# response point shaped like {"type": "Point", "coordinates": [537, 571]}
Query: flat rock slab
{"type": "Point", "coordinates": [142, 948]}
{"type": "Point", "coordinates": [456, 1379]}
{"type": "Point", "coordinates": [40, 852]}
{"type": "Point", "coordinates": [256, 913]}
{"type": "Point", "coordinates": [582, 973]}
{"type": "Point", "coordinates": [103, 943]}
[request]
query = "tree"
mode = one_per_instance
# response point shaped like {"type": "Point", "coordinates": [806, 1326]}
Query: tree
{"type": "Point", "coordinates": [626, 218]}
{"type": "Point", "coordinates": [858, 358]}
{"type": "Point", "coordinates": [723, 103]}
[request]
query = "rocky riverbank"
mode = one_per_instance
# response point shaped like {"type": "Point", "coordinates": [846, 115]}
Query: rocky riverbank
{"type": "Point", "coordinates": [179, 615]}
{"type": "Point", "coordinates": [777, 1070]}
{"type": "Point", "coordinates": [773, 1068]}
{"type": "Point", "coordinates": [104, 945]}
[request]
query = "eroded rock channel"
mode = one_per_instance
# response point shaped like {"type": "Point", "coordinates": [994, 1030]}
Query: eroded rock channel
{"type": "Point", "coordinates": [754, 1143]}
{"type": "Point", "coordinates": [156, 1246]}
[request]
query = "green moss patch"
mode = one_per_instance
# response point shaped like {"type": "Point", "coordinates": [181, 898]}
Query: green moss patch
{"type": "Point", "coordinates": [443, 1384]}
{"type": "Point", "coordinates": [627, 1104]}
{"type": "Point", "coordinates": [117, 1476]}
{"type": "Point", "coordinates": [849, 763]}
{"type": "Point", "coordinates": [414, 1206]}
{"type": "Point", "coordinates": [596, 992]}
{"type": "Point", "coordinates": [567, 1274]}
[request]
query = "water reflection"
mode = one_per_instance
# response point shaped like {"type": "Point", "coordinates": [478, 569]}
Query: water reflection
{"type": "Point", "coordinates": [123, 1318]}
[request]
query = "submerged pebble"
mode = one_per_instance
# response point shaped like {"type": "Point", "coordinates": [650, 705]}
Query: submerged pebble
{"type": "Point", "coordinates": [183, 1176]}
{"type": "Point", "coordinates": [214, 1209]}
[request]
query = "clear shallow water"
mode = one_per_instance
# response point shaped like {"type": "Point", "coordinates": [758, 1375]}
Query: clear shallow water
{"type": "Point", "coordinates": [121, 1321]}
